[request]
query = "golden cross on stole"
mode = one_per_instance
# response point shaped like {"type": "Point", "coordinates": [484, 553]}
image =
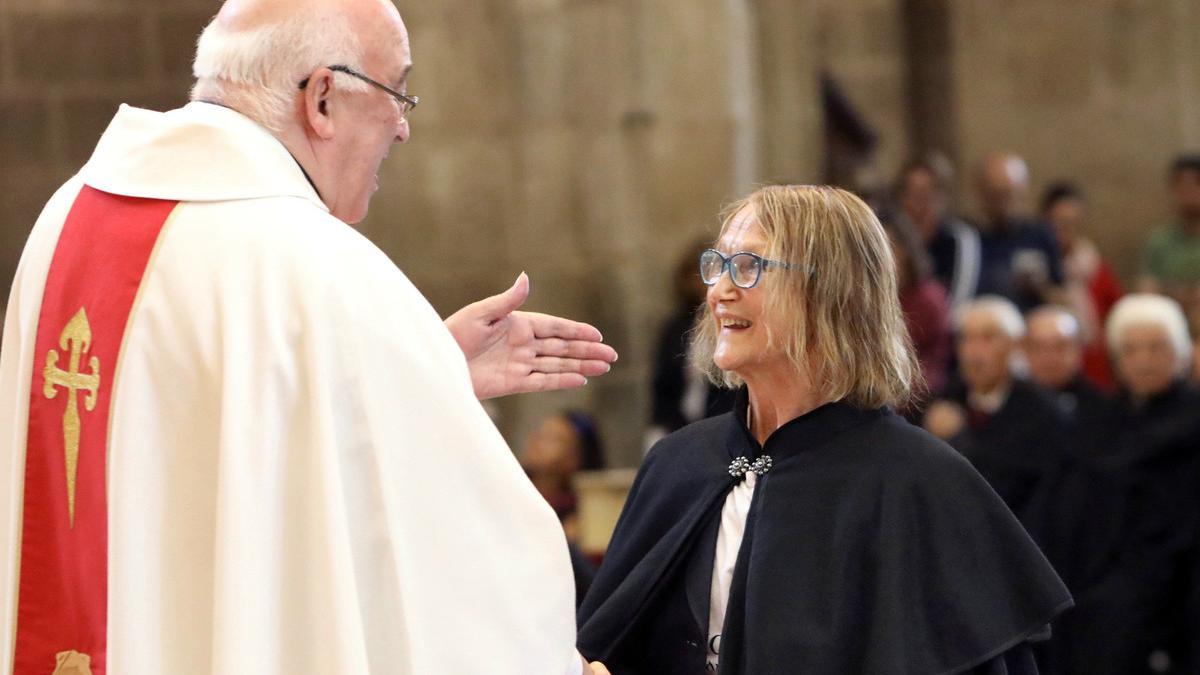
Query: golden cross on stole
{"type": "Point", "coordinates": [77, 337]}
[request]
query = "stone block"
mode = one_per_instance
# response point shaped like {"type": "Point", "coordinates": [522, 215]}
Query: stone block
{"type": "Point", "coordinates": [177, 33]}
{"type": "Point", "coordinates": [24, 131]}
{"type": "Point", "coordinates": [66, 47]}
{"type": "Point", "coordinates": [85, 119]}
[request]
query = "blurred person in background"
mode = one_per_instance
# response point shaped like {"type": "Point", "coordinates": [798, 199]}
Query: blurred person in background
{"type": "Point", "coordinates": [1091, 286]}
{"type": "Point", "coordinates": [1171, 257]}
{"type": "Point", "coordinates": [952, 245]}
{"type": "Point", "coordinates": [682, 393]}
{"type": "Point", "coordinates": [1010, 429]}
{"type": "Point", "coordinates": [812, 530]}
{"type": "Point", "coordinates": [1148, 439]}
{"type": "Point", "coordinates": [926, 309]}
{"type": "Point", "coordinates": [1053, 348]}
{"type": "Point", "coordinates": [1020, 258]}
{"type": "Point", "coordinates": [562, 446]}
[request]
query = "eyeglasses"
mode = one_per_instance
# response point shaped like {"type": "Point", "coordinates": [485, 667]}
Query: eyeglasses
{"type": "Point", "coordinates": [406, 102]}
{"type": "Point", "coordinates": [745, 268]}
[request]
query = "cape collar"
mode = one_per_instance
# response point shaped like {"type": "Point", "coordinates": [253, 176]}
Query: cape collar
{"type": "Point", "coordinates": [200, 153]}
{"type": "Point", "coordinates": [805, 432]}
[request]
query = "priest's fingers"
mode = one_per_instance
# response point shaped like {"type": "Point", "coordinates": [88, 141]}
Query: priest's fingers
{"type": "Point", "coordinates": [575, 349]}
{"type": "Point", "coordinates": [599, 668]}
{"type": "Point", "coordinates": [547, 326]}
{"type": "Point", "coordinates": [550, 365]}
{"type": "Point", "coordinates": [550, 382]}
{"type": "Point", "coordinates": [496, 307]}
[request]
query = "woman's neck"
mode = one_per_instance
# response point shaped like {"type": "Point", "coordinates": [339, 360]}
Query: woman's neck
{"type": "Point", "coordinates": [778, 398]}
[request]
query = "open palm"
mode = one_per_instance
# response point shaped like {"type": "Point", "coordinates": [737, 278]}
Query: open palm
{"type": "Point", "coordinates": [511, 352]}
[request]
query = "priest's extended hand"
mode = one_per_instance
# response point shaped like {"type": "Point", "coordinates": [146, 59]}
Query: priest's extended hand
{"type": "Point", "coordinates": [511, 352]}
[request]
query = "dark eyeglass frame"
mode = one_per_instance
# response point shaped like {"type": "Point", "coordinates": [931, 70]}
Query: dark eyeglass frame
{"type": "Point", "coordinates": [407, 103]}
{"type": "Point", "coordinates": [727, 265]}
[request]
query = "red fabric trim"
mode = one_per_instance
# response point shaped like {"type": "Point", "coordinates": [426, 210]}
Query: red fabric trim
{"type": "Point", "coordinates": [98, 266]}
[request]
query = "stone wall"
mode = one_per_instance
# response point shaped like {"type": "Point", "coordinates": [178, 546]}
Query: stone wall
{"type": "Point", "coordinates": [65, 65]}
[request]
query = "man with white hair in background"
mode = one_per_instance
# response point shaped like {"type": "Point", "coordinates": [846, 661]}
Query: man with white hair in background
{"type": "Point", "coordinates": [1054, 349]}
{"type": "Point", "coordinates": [1149, 439]}
{"type": "Point", "coordinates": [1010, 429]}
{"type": "Point", "coordinates": [233, 437]}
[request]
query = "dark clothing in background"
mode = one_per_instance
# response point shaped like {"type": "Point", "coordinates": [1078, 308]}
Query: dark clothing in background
{"type": "Point", "coordinates": [1013, 252]}
{"type": "Point", "coordinates": [1081, 400]}
{"type": "Point", "coordinates": [1147, 598]}
{"type": "Point", "coordinates": [954, 252]}
{"type": "Point", "coordinates": [1021, 449]}
{"type": "Point", "coordinates": [670, 377]}
{"type": "Point", "coordinates": [870, 547]}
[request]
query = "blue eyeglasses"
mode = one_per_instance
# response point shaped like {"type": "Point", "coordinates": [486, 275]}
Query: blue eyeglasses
{"type": "Point", "coordinates": [745, 268]}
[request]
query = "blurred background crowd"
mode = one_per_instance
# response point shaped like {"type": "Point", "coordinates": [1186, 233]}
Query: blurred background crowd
{"type": "Point", "coordinates": [1030, 160]}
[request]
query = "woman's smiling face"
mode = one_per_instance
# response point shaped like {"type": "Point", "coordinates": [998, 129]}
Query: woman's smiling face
{"type": "Point", "coordinates": [742, 320]}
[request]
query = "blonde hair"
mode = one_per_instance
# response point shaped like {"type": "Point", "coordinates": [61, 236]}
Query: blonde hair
{"type": "Point", "coordinates": [847, 330]}
{"type": "Point", "coordinates": [258, 71]}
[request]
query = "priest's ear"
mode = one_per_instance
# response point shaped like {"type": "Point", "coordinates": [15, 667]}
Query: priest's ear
{"type": "Point", "coordinates": [316, 102]}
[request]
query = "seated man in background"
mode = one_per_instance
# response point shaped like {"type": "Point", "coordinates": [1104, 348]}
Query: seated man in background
{"type": "Point", "coordinates": [1010, 429]}
{"type": "Point", "coordinates": [1053, 347]}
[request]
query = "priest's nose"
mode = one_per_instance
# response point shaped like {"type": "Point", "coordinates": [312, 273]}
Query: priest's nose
{"type": "Point", "coordinates": [403, 131]}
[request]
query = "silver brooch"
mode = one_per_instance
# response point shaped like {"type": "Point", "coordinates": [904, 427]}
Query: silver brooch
{"type": "Point", "coordinates": [762, 465]}
{"type": "Point", "coordinates": [741, 465]}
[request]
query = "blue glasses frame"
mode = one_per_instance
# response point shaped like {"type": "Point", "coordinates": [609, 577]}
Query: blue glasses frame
{"type": "Point", "coordinates": [710, 256]}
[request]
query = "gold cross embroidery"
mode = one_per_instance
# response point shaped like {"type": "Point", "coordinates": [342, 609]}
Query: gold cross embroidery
{"type": "Point", "coordinates": [72, 663]}
{"type": "Point", "coordinates": [76, 337]}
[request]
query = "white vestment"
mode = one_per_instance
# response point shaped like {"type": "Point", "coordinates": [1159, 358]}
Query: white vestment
{"type": "Point", "coordinates": [300, 479]}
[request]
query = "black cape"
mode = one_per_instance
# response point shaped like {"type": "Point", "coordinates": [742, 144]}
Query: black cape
{"type": "Point", "coordinates": [870, 547]}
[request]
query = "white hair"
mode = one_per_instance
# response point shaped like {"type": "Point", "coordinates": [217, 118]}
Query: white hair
{"type": "Point", "coordinates": [1000, 308]}
{"type": "Point", "coordinates": [259, 70]}
{"type": "Point", "coordinates": [1064, 320]}
{"type": "Point", "coordinates": [1142, 309]}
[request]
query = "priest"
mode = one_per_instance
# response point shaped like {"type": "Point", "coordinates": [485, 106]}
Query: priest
{"type": "Point", "coordinates": [234, 437]}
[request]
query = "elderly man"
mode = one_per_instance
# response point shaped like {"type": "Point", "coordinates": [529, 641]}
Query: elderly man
{"type": "Point", "coordinates": [1053, 347]}
{"type": "Point", "coordinates": [1019, 257]}
{"type": "Point", "coordinates": [1148, 440]}
{"type": "Point", "coordinates": [1010, 429]}
{"type": "Point", "coordinates": [233, 437]}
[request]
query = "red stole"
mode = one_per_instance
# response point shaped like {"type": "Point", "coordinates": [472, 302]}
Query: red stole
{"type": "Point", "coordinates": [62, 610]}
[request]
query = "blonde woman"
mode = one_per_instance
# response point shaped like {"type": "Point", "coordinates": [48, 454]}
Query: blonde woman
{"type": "Point", "coordinates": [812, 530]}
